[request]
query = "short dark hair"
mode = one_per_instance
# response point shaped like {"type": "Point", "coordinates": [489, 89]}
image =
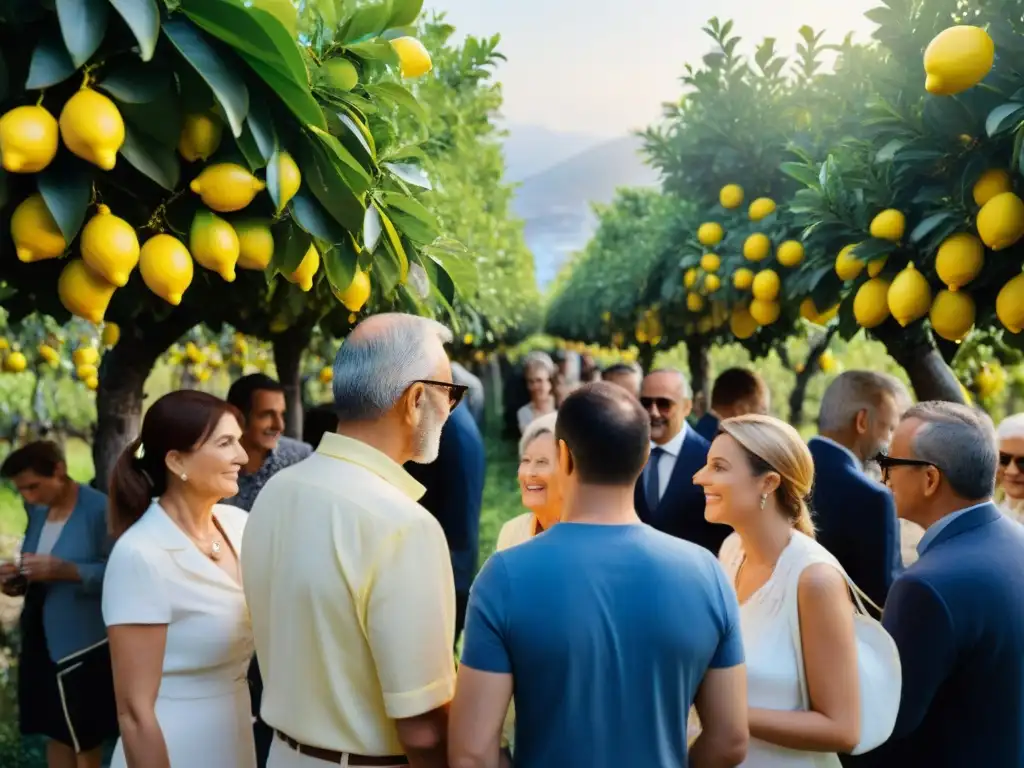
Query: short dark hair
{"type": "Point", "coordinates": [961, 442]}
{"type": "Point", "coordinates": [41, 457]}
{"type": "Point", "coordinates": [607, 432]}
{"type": "Point", "coordinates": [242, 391]}
{"type": "Point", "coordinates": [736, 385]}
{"type": "Point", "coordinates": [622, 369]}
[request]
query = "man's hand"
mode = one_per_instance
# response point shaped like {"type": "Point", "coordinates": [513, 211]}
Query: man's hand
{"type": "Point", "coordinates": [8, 571]}
{"type": "Point", "coordinates": [48, 568]}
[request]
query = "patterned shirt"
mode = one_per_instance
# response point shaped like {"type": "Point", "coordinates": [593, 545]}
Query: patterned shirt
{"type": "Point", "coordinates": [288, 452]}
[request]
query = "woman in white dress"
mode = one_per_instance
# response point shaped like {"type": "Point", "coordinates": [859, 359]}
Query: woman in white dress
{"type": "Point", "coordinates": [173, 603]}
{"type": "Point", "coordinates": [759, 473]}
{"type": "Point", "coordinates": [539, 371]}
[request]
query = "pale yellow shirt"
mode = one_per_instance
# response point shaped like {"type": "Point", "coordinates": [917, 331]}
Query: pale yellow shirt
{"type": "Point", "coordinates": [349, 584]}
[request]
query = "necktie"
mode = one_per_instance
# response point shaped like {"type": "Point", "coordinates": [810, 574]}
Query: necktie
{"type": "Point", "coordinates": [652, 488]}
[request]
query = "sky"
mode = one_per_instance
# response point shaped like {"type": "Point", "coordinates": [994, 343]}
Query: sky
{"type": "Point", "coordinates": [604, 68]}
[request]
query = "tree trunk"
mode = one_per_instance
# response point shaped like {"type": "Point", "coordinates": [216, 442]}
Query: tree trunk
{"type": "Point", "coordinates": [288, 349]}
{"type": "Point", "coordinates": [646, 357]}
{"type": "Point", "coordinates": [699, 360]}
{"type": "Point", "coordinates": [803, 378]}
{"type": "Point", "coordinates": [915, 350]}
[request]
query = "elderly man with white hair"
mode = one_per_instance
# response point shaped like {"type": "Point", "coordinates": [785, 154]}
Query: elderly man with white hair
{"type": "Point", "coordinates": [1010, 475]}
{"type": "Point", "coordinates": [348, 578]}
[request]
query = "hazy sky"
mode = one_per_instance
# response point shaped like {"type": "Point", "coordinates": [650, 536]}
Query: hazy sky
{"type": "Point", "coordinates": [605, 67]}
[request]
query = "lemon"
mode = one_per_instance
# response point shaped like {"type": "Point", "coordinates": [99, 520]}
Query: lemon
{"type": "Point", "coordinates": [35, 234]}
{"type": "Point", "coordinates": [255, 244]}
{"type": "Point", "coordinates": [757, 247]}
{"type": "Point", "coordinates": [827, 361]}
{"type": "Point", "coordinates": [710, 233]}
{"type": "Point", "coordinates": [712, 283]}
{"type": "Point", "coordinates": [705, 325]}
{"type": "Point", "coordinates": [790, 253]}
{"type": "Point", "coordinates": [303, 276]}
{"type": "Point", "coordinates": [28, 139]}
{"type": "Point", "coordinates": [111, 334]}
{"type": "Point", "coordinates": [959, 260]}
{"type": "Point", "coordinates": [92, 128]}
{"type": "Point", "coordinates": [194, 353]}
{"type": "Point", "coordinates": [15, 362]}
{"type": "Point", "coordinates": [214, 244]}
{"type": "Point", "coordinates": [764, 312]}
{"type": "Point", "coordinates": [990, 380]}
{"type": "Point", "coordinates": [848, 266]}
{"type": "Point", "coordinates": [719, 314]}
{"type": "Point", "coordinates": [84, 293]}
{"type": "Point", "coordinates": [413, 58]}
{"type": "Point", "coordinates": [4, 343]}
{"type": "Point", "coordinates": [694, 302]}
{"type": "Point", "coordinates": [876, 266]}
{"type": "Point", "coordinates": [226, 187]}
{"type": "Point", "coordinates": [992, 182]}
{"type": "Point", "coordinates": [340, 73]}
{"type": "Point", "coordinates": [326, 375]}
{"type": "Point", "coordinates": [87, 371]}
{"type": "Point", "coordinates": [710, 262]}
{"type": "Point", "coordinates": [742, 278]}
{"type": "Point", "coordinates": [741, 323]}
{"type": "Point", "coordinates": [1010, 304]}
{"type": "Point", "coordinates": [166, 267]}
{"type": "Point", "coordinates": [690, 277]}
{"type": "Point", "coordinates": [92, 383]}
{"type": "Point", "coordinates": [910, 296]}
{"type": "Point", "coordinates": [85, 355]}
{"type": "Point", "coordinates": [467, 339]}
{"type": "Point", "coordinates": [352, 321]}
{"type": "Point", "coordinates": [957, 58]}
{"type": "Point", "coordinates": [809, 311]}
{"type": "Point", "coordinates": [763, 206]}
{"type": "Point", "coordinates": [200, 136]}
{"type": "Point", "coordinates": [871, 304]}
{"type": "Point", "coordinates": [952, 314]}
{"type": "Point", "coordinates": [358, 292]}
{"type": "Point", "coordinates": [289, 178]}
{"type": "Point", "coordinates": [49, 354]}
{"type": "Point", "coordinates": [110, 247]}
{"type": "Point", "coordinates": [766, 285]}
{"type": "Point", "coordinates": [889, 225]}
{"type": "Point", "coordinates": [731, 196]}
{"type": "Point", "coordinates": [1001, 221]}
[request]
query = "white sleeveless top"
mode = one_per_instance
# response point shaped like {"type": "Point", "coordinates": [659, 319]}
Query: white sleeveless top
{"type": "Point", "coordinates": [772, 673]}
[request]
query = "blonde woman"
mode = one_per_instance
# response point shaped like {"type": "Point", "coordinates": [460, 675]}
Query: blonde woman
{"type": "Point", "coordinates": [1010, 475]}
{"type": "Point", "coordinates": [539, 371]}
{"type": "Point", "coordinates": [538, 484]}
{"type": "Point", "coordinates": [758, 475]}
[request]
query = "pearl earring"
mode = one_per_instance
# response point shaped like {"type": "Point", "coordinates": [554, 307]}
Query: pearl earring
{"type": "Point", "coordinates": [184, 477]}
{"type": "Point", "coordinates": [764, 499]}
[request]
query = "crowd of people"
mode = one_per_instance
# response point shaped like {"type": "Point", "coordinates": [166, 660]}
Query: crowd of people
{"type": "Point", "coordinates": [677, 591]}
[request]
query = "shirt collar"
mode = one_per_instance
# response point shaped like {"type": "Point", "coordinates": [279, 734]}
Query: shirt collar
{"type": "Point", "coordinates": [853, 457]}
{"type": "Point", "coordinates": [937, 527]}
{"type": "Point", "coordinates": [357, 452]}
{"type": "Point", "coordinates": [675, 445]}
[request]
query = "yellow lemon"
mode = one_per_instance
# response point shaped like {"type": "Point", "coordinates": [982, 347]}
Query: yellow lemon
{"type": "Point", "coordinates": [694, 302]}
{"type": "Point", "coordinates": [741, 323]}
{"type": "Point", "coordinates": [49, 354]}
{"type": "Point", "coordinates": [876, 266]}
{"type": "Point", "coordinates": [110, 246]}
{"type": "Point", "coordinates": [92, 383]}
{"type": "Point", "coordinates": [226, 187]}
{"type": "Point", "coordinates": [28, 139]}
{"type": "Point", "coordinates": [84, 293]}
{"type": "Point", "coordinates": [1010, 304]}
{"type": "Point", "coordinates": [957, 58]}
{"type": "Point", "coordinates": [889, 225]}
{"type": "Point", "coordinates": [200, 136]}
{"type": "Point", "coordinates": [690, 278]}
{"type": "Point", "coordinates": [340, 73]}
{"type": "Point", "coordinates": [111, 334]}
{"type": "Point", "coordinates": [742, 278]}
{"type": "Point", "coordinates": [809, 311]}
{"type": "Point", "coordinates": [710, 262]}
{"type": "Point", "coordinates": [790, 253]}
{"type": "Point", "coordinates": [710, 233]}
{"type": "Point", "coordinates": [1001, 221]}
{"type": "Point", "coordinates": [166, 267]}
{"type": "Point", "coordinates": [766, 285]}
{"type": "Point", "coordinates": [763, 206]}
{"type": "Point", "coordinates": [757, 247]}
{"type": "Point", "coordinates": [303, 276]}
{"type": "Point", "coordinates": [990, 380]}
{"type": "Point", "coordinates": [86, 371]}
{"type": "Point", "coordinates": [959, 260]}
{"type": "Point", "coordinates": [352, 318]}
{"type": "Point", "coordinates": [358, 292]}
{"type": "Point", "coordinates": [909, 296]}
{"type": "Point", "coordinates": [326, 375]}
{"type": "Point", "coordinates": [871, 304]}
{"type": "Point", "coordinates": [731, 196]}
{"type": "Point", "coordinates": [214, 244]}
{"type": "Point", "coordinates": [468, 339]}
{"type": "Point", "coordinates": [85, 355]}
{"type": "Point", "coordinates": [15, 362]}
{"type": "Point", "coordinates": [255, 244]}
{"type": "Point", "coordinates": [712, 283]}
{"type": "Point", "coordinates": [4, 343]}
{"type": "Point", "coordinates": [194, 353]}
{"type": "Point", "coordinates": [92, 128]}
{"type": "Point", "coordinates": [848, 266]}
{"type": "Point", "coordinates": [289, 178]}
{"type": "Point", "coordinates": [827, 361]}
{"type": "Point", "coordinates": [764, 312]}
{"type": "Point", "coordinates": [413, 57]}
{"type": "Point", "coordinates": [35, 234]}
{"type": "Point", "coordinates": [992, 182]}
{"type": "Point", "coordinates": [952, 314]}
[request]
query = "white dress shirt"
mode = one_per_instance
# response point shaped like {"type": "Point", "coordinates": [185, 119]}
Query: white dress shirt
{"type": "Point", "coordinates": [667, 461]}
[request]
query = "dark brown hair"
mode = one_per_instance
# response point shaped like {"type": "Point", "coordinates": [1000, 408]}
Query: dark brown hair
{"type": "Point", "coordinates": [178, 421]}
{"type": "Point", "coordinates": [41, 457]}
{"type": "Point", "coordinates": [736, 385]}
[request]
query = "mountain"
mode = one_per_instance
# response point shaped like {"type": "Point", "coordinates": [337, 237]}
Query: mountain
{"type": "Point", "coordinates": [530, 149]}
{"type": "Point", "coordinates": [556, 203]}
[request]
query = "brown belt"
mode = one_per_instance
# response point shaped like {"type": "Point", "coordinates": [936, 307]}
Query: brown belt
{"type": "Point", "coordinates": [330, 756]}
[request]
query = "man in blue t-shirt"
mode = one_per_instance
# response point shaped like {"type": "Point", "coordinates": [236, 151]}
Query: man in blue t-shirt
{"type": "Point", "coordinates": [607, 629]}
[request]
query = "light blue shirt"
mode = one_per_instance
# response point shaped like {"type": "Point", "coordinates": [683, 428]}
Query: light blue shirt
{"type": "Point", "coordinates": [936, 528]}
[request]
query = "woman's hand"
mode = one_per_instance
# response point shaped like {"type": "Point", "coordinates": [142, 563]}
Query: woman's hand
{"type": "Point", "coordinates": [47, 568]}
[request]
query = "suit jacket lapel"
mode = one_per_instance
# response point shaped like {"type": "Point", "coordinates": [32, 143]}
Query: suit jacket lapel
{"type": "Point", "coordinates": [987, 513]}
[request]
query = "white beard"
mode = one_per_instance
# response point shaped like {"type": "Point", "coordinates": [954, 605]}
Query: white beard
{"type": "Point", "coordinates": [428, 438]}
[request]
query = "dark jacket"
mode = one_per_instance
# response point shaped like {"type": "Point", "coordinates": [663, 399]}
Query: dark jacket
{"type": "Point", "coordinates": [707, 426]}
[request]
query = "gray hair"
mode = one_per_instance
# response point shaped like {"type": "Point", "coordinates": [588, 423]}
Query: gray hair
{"type": "Point", "coordinates": [684, 383]}
{"type": "Point", "coordinates": [1011, 427]}
{"type": "Point", "coordinates": [854, 391]}
{"type": "Point", "coordinates": [381, 358]}
{"type": "Point", "coordinates": [961, 442]}
{"type": "Point", "coordinates": [542, 425]}
{"type": "Point", "coordinates": [542, 360]}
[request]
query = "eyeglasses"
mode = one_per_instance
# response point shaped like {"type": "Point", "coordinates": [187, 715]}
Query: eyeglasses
{"type": "Point", "coordinates": [455, 391]}
{"type": "Point", "coordinates": [664, 404]}
{"type": "Point", "coordinates": [1006, 458]}
{"type": "Point", "coordinates": [888, 462]}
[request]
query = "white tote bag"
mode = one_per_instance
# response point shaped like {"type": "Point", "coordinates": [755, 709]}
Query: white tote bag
{"type": "Point", "coordinates": [878, 670]}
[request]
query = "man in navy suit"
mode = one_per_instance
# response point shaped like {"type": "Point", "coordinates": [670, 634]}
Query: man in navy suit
{"type": "Point", "coordinates": [665, 496]}
{"type": "Point", "coordinates": [956, 613]}
{"type": "Point", "coordinates": [736, 392]}
{"type": "Point", "coordinates": [854, 515]}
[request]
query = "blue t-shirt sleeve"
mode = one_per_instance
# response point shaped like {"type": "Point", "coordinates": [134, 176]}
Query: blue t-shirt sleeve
{"type": "Point", "coordinates": [485, 641]}
{"type": "Point", "coordinates": [730, 644]}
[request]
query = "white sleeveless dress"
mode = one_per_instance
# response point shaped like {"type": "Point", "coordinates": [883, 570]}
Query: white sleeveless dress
{"type": "Point", "coordinates": [772, 673]}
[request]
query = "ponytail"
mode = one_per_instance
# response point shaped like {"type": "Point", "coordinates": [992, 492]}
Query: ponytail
{"type": "Point", "coordinates": [796, 510]}
{"type": "Point", "coordinates": [131, 488]}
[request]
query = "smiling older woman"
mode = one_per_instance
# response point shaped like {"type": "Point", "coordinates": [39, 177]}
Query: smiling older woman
{"type": "Point", "coordinates": [538, 485]}
{"type": "Point", "coordinates": [1010, 475]}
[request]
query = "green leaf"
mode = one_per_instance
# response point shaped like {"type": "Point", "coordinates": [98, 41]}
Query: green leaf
{"type": "Point", "coordinates": [410, 174]}
{"type": "Point", "coordinates": [290, 246]}
{"type": "Point", "coordinates": [296, 97]}
{"type": "Point", "coordinates": [872, 248]}
{"type": "Point", "coordinates": [158, 162]}
{"type": "Point", "coordinates": [66, 187]}
{"type": "Point", "coordinates": [395, 247]}
{"type": "Point", "coordinates": [340, 262]}
{"type": "Point", "coordinates": [143, 19]}
{"type": "Point", "coordinates": [453, 257]}
{"type": "Point", "coordinates": [887, 153]}
{"type": "Point", "coordinates": [160, 120]}
{"type": "Point", "coordinates": [371, 228]}
{"type": "Point", "coordinates": [357, 176]}
{"type": "Point", "coordinates": [346, 119]}
{"type": "Point", "coordinates": [310, 215]}
{"type": "Point", "coordinates": [136, 84]}
{"type": "Point", "coordinates": [51, 63]}
{"type": "Point", "coordinates": [412, 228]}
{"type": "Point", "coordinates": [1004, 118]}
{"type": "Point", "coordinates": [410, 206]}
{"type": "Point", "coordinates": [274, 180]}
{"type": "Point", "coordinates": [327, 184]}
{"type": "Point", "coordinates": [802, 173]}
{"type": "Point", "coordinates": [404, 12]}
{"type": "Point", "coordinates": [400, 97]}
{"type": "Point", "coordinates": [82, 25]}
{"type": "Point", "coordinates": [262, 126]}
{"type": "Point", "coordinates": [226, 83]}
{"type": "Point", "coordinates": [369, 20]}
{"type": "Point", "coordinates": [375, 50]}
{"type": "Point", "coordinates": [928, 225]}
{"type": "Point", "coordinates": [249, 149]}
